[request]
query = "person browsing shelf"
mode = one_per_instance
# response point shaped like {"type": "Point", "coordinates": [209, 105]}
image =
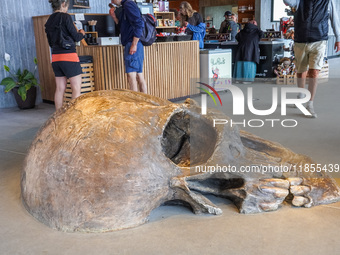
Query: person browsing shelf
{"type": "Point", "coordinates": [193, 22]}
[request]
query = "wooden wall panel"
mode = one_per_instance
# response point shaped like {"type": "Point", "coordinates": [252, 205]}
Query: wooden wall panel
{"type": "Point", "coordinates": [43, 53]}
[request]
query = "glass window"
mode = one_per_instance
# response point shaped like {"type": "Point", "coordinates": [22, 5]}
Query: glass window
{"type": "Point", "coordinates": [278, 10]}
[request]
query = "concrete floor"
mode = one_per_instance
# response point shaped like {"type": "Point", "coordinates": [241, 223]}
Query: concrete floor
{"type": "Point", "coordinates": [176, 230]}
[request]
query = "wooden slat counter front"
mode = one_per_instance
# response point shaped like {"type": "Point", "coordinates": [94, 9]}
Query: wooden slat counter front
{"type": "Point", "coordinates": [168, 66]}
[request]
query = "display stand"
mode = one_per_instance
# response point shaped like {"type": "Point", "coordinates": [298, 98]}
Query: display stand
{"type": "Point", "coordinates": [165, 21]}
{"type": "Point", "coordinates": [246, 11]}
{"type": "Point", "coordinates": [209, 23]}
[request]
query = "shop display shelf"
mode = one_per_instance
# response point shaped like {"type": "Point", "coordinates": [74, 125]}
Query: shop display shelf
{"type": "Point", "coordinates": [172, 38]}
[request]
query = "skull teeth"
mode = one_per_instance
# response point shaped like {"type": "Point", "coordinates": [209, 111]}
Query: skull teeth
{"type": "Point", "coordinates": [300, 201]}
{"type": "Point", "coordinates": [299, 190]}
{"type": "Point", "coordinates": [295, 180]}
{"type": "Point", "coordinates": [277, 192]}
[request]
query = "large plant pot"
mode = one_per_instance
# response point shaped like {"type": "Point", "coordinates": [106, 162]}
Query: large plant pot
{"type": "Point", "coordinates": [30, 98]}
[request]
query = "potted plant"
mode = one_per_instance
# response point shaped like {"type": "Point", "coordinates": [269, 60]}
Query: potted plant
{"type": "Point", "coordinates": [23, 84]}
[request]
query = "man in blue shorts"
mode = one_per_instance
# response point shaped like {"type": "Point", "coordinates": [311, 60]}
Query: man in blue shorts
{"type": "Point", "coordinates": [131, 26]}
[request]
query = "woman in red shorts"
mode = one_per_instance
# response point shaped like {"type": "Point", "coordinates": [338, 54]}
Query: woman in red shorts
{"type": "Point", "coordinates": [65, 61]}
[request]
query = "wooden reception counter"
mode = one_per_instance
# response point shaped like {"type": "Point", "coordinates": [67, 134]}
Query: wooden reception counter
{"type": "Point", "coordinates": [168, 66]}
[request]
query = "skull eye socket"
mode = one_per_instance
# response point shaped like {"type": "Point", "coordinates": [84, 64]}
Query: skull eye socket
{"type": "Point", "coordinates": [188, 140]}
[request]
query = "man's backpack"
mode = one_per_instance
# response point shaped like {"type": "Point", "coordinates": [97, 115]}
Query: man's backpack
{"type": "Point", "coordinates": [149, 31]}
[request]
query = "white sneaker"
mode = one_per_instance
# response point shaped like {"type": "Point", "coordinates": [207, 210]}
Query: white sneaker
{"type": "Point", "coordinates": [310, 108]}
{"type": "Point", "coordinates": [299, 96]}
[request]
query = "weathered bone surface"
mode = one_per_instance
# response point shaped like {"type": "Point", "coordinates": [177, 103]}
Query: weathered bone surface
{"type": "Point", "coordinates": [108, 159]}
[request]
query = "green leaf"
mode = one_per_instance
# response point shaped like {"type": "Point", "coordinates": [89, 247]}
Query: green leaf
{"type": "Point", "coordinates": [9, 83]}
{"type": "Point", "coordinates": [9, 87]}
{"type": "Point", "coordinates": [19, 72]}
{"type": "Point", "coordinates": [28, 76]}
{"type": "Point", "coordinates": [6, 68]}
{"type": "Point", "coordinates": [28, 86]}
{"type": "Point", "coordinates": [25, 72]}
{"type": "Point", "coordinates": [22, 92]}
{"type": "Point", "coordinates": [35, 61]}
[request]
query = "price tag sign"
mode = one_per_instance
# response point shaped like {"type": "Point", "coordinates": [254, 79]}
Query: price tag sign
{"type": "Point", "coordinates": [79, 16]}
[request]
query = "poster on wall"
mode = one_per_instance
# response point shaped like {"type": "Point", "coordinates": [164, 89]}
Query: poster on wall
{"type": "Point", "coordinates": [81, 4]}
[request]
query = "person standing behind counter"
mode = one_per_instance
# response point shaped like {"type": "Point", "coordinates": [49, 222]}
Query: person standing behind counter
{"type": "Point", "coordinates": [233, 28]}
{"type": "Point", "coordinates": [225, 23]}
{"type": "Point", "coordinates": [310, 40]}
{"type": "Point", "coordinates": [234, 17]}
{"type": "Point", "coordinates": [193, 21]}
{"type": "Point", "coordinates": [65, 62]}
{"type": "Point", "coordinates": [131, 27]}
{"type": "Point", "coordinates": [229, 25]}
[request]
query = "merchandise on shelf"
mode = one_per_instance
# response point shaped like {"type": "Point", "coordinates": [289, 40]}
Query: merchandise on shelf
{"type": "Point", "coordinates": [272, 34]}
{"type": "Point", "coordinates": [286, 67]}
{"type": "Point", "coordinates": [286, 23]}
{"type": "Point", "coordinates": [155, 6]}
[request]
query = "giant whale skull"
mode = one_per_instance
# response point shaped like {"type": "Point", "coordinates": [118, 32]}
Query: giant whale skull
{"type": "Point", "coordinates": [107, 159]}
